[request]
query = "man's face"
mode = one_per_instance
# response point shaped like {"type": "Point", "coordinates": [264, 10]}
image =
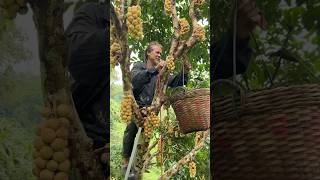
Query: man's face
{"type": "Point", "coordinates": [155, 54]}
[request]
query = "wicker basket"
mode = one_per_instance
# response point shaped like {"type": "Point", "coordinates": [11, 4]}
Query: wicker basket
{"type": "Point", "coordinates": [192, 109]}
{"type": "Point", "coordinates": [273, 135]}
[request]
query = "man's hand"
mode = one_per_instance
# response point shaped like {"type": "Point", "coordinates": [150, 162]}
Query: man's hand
{"type": "Point", "coordinates": [161, 64]}
{"type": "Point", "coordinates": [249, 16]}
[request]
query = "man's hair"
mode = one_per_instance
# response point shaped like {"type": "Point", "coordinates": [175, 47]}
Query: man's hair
{"type": "Point", "coordinates": [149, 49]}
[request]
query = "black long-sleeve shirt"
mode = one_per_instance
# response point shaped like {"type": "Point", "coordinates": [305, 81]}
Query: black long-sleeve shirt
{"type": "Point", "coordinates": [88, 44]}
{"type": "Point", "coordinates": [144, 82]}
{"type": "Point", "coordinates": [222, 57]}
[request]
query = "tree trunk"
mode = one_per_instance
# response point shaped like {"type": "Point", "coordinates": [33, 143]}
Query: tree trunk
{"type": "Point", "coordinates": [48, 19]}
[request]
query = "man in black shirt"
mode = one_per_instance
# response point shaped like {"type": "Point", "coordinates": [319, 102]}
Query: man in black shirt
{"type": "Point", "coordinates": [88, 44]}
{"type": "Point", "coordinates": [144, 77]}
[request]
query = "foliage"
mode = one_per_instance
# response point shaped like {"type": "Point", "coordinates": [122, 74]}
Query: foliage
{"type": "Point", "coordinates": [287, 52]}
{"type": "Point", "coordinates": [157, 24]}
{"type": "Point", "coordinates": [18, 118]}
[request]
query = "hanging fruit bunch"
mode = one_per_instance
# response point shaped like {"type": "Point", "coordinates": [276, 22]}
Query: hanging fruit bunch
{"type": "Point", "coordinates": [184, 26]}
{"type": "Point", "coordinates": [12, 7]}
{"type": "Point", "coordinates": [192, 169]}
{"type": "Point", "coordinates": [199, 33]}
{"type": "Point", "coordinates": [51, 151]}
{"type": "Point", "coordinates": [115, 52]}
{"type": "Point", "coordinates": [170, 63]}
{"type": "Point", "coordinates": [198, 137]}
{"type": "Point", "coordinates": [151, 121]}
{"type": "Point", "coordinates": [126, 107]}
{"type": "Point", "coordinates": [198, 2]}
{"type": "Point", "coordinates": [134, 22]}
{"type": "Point", "coordinates": [167, 7]}
{"type": "Point", "coordinates": [160, 150]}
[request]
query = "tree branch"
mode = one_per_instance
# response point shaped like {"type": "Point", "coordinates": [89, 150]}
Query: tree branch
{"type": "Point", "coordinates": [116, 21]}
{"type": "Point", "coordinates": [185, 46]}
{"type": "Point", "coordinates": [175, 168]}
{"type": "Point", "coordinates": [175, 22]}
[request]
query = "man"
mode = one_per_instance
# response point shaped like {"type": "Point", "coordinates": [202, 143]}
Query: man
{"type": "Point", "coordinates": [88, 41]}
{"type": "Point", "coordinates": [144, 77]}
{"type": "Point", "coordinates": [248, 17]}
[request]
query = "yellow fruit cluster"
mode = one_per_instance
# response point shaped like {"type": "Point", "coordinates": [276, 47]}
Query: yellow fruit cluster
{"type": "Point", "coordinates": [151, 121]}
{"type": "Point", "coordinates": [12, 7]}
{"type": "Point", "coordinates": [115, 51]}
{"type": "Point", "coordinates": [198, 137]}
{"type": "Point", "coordinates": [134, 22]}
{"type": "Point", "coordinates": [51, 151]}
{"type": "Point", "coordinates": [167, 6]}
{"type": "Point", "coordinates": [160, 150]}
{"type": "Point", "coordinates": [199, 33]}
{"type": "Point", "coordinates": [192, 169]}
{"type": "Point", "coordinates": [198, 2]}
{"type": "Point", "coordinates": [126, 108]}
{"type": "Point", "coordinates": [184, 26]}
{"type": "Point", "coordinates": [170, 63]}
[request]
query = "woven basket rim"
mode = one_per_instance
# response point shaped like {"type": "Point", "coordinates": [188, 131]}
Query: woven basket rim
{"type": "Point", "coordinates": [190, 94]}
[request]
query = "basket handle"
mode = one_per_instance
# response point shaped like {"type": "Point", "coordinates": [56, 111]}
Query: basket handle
{"type": "Point", "coordinates": [234, 85]}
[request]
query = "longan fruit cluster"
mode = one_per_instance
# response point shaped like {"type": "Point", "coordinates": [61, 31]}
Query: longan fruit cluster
{"type": "Point", "coordinates": [12, 7]}
{"type": "Point", "coordinates": [151, 121]}
{"type": "Point", "coordinates": [126, 108]}
{"type": "Point", "coordinates": [192, 169]}
{"type": "Point", "coordinates": [51, 151]}
{"type": "Point", "coordinates": [184, 26]}
{"type": "Point", "coordinates": [198, 2]}
{"type": "Point", "coordinates": [198, 137]}
{"type": "Point", "coordinates": [199, 33]}
{"type": "Point", "coordinates": [160, 150]}
{"type": "Point", "coordinates": [167, 6]}
{"type": "Point", "coordinates": [115, 51]}
{"type": "Point", "coordinates": [170, 63]}
{"type": "Point", "coordinates": [134, 22]}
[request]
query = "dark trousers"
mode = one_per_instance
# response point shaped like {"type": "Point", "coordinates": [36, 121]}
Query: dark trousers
{"type": "Point", "coordinates": [128, 139]}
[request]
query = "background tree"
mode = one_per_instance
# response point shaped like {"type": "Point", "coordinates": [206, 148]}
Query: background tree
{"type": "Point", "coordinates": [158, 24]}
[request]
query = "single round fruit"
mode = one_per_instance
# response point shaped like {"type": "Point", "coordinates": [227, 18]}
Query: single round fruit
{"type": "Point", "coordinates": [59, 156]}
{"type": "Point", "coordinates": [46, 152]}
{"type": "Point", "coordinates": [40, 163]}
{"type": "Point", "coordinates": [59, 144]}
{"type": "Point", "coordinates": [64, 110]}
{"type": "Point", "coordinates": [65, 166]}
{"type": "Point", "coordinates": [47, 135]}
{"type": "Point", "coordinates": [62, 133]}
{"type": "Point", "coordinates": [53, 123]}
{"type": "Point", "coordinates": [52, 165]}
{"type": "Point", "coordinates": [46, 175]}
